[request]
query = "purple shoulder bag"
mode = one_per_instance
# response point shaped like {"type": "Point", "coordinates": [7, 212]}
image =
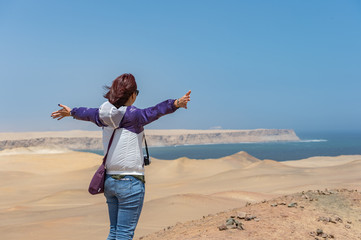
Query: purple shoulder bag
{"type": "Point", "coordinates": [96, 185]}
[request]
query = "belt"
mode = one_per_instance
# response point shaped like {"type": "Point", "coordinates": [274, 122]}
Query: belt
{"type": "Point", "coordinates": [139, 177]}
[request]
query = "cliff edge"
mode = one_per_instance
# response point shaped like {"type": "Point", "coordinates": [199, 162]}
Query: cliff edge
{"type": "Point", "coordinates": [92, 139]}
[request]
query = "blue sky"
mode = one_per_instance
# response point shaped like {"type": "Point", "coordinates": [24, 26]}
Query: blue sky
{"type": "Point", "coordinates": [249, 64]}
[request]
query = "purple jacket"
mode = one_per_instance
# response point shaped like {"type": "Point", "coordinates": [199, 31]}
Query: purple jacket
{"type": "Point", "coordinates": [125, 155]}
{"type": "Point", "coordinates": [134, 119]}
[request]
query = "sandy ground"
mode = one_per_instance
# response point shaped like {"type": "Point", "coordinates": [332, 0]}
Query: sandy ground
{"type": "Point", "coordinates": [324, 214]}
{"type": "Point", "coordinates": [44, 195]}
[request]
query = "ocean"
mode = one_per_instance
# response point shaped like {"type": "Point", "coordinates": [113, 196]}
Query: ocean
{"type": "Point", "coordinates": [311, 144]}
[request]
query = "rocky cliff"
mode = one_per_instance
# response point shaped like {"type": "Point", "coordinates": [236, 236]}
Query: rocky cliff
{"type": "Point", "coordinates": [92, 140]}
{"type": "Point", "coordinates": [176, 137]}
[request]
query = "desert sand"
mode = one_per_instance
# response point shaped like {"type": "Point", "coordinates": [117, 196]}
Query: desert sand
{"type": "Point", "coordinates": [44, 194]}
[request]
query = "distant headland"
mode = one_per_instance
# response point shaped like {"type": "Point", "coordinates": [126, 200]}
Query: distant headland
{"type": "Point", "coordinates": [92, 139]}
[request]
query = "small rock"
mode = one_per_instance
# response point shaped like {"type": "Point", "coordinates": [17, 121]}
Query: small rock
{"type": "Point", "coordinates": [256, 219]}
{"type": "Point", "coordinates": [222, 227]}
{"type": "Point", "coordinates": [232, 224]}
{"type": "Point", "coordinates": [282, 203]}
{"type": "Point", "coordinates": [324, 235]}
{"type": "Point", "coordinates": [249, 217]}
{"type": "Point", "coordinates": [274, 205]}
{"type": "Point", "coordinates": [348, 226]}
{"type": "Point", "coordinates": [248, 204]}
{"type": "Point", "coordinates": [230, 221]}
{"type": "Point", "coordinates": [349, 222]}
{"type": "Point", "coordinates": [241, 215]}
{"type": "Point", "coordinates": [319, 232]}
{"type": "Point", "coordinates": [332, 221]}
{"type": "Point", "coordinates": [326, 220]}
{"type": "Point", "coordinates": [294, 204]}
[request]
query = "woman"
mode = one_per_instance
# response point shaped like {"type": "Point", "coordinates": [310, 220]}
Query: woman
{"type": "Point", "coordinates": [124, 184]}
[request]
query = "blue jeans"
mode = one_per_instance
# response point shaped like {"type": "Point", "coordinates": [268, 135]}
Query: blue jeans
{"type": "Point", "coordinates": [125, 201]}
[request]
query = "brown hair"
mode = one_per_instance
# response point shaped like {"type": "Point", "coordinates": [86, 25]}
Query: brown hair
{"type": "Point", "coordinates": [120, 91]}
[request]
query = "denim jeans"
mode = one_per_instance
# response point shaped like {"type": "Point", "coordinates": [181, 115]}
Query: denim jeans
{"type": "Point", "coordinates": [125, 201]}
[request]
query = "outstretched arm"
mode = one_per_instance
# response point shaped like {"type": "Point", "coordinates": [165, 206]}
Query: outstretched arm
{"type": "Point", "coordinates": [108, 115]}
{"type": "Point", "coordinates": [82, 113]}
{"type": "Point", "coordinates": [148, 115]}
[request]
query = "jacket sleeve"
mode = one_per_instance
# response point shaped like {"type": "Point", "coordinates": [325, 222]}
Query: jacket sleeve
{"type": "Point", "coordinates": [148, 115]}
{"type": "Point", "coordinates": [87, 114]}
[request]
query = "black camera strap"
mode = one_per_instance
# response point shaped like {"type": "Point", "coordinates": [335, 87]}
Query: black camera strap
{"type": "Point", "coordinates": [146, 146]}
{"type": "Point", "coordinates": [146, 161]}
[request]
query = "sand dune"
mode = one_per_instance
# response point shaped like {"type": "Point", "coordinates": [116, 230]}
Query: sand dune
{"type": "Point", "coordinates": [45, 164]}
{"type": "Point", "coordinates": [33, 150]}
{"type": "Point", "coordinates": [64, 134]}
{"type": "Point", "coordinates": [190, 204]}
{"type": "Point", "coordinates": [184, 168]}
{"type": "Point", "coordinates": [323, 161]}
{"type": "Point", "coordinates": [44, 195]}
{"type": "Point", "coordinates": [62, 199]}
{"type": "Point", "coordinates": [241, 195]}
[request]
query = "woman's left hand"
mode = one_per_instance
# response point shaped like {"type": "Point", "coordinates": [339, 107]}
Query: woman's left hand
{"type": "Point", "coordinates": [61, 113]}
{"type": "Point", "coordinates": [183, 101]}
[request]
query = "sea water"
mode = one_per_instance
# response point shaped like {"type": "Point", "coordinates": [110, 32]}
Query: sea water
{"type": "Point", "coordinates": [311, 144]}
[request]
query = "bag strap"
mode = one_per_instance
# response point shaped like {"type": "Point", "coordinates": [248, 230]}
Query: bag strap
{"type": "Point", "coordinates": [110, 143]}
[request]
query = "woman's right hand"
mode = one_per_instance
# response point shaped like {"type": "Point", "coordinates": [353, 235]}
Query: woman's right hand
{"type": "Point", "coordinates": [61, 113]}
